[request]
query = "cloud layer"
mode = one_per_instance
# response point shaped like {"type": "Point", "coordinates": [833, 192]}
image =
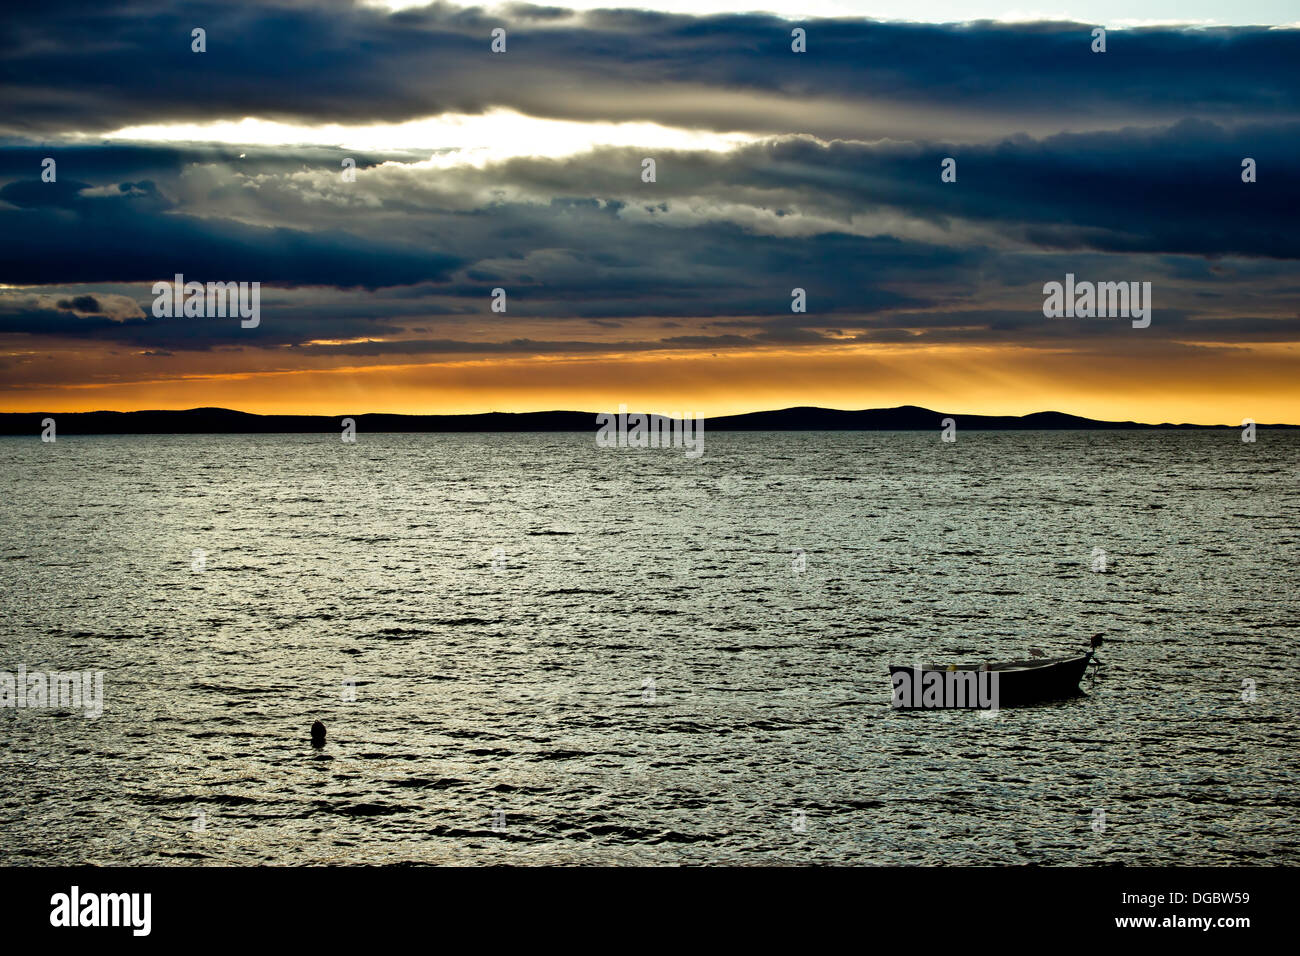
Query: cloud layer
{"type": "Point", "coordinates": [1122, 166]}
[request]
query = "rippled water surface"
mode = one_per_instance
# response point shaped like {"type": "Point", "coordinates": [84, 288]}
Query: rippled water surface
{"type": "Point", "coordinates": [615, 648]}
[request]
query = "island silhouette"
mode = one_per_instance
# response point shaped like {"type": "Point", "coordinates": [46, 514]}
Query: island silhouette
{"type": "Point", "coordinates": [804, 418]}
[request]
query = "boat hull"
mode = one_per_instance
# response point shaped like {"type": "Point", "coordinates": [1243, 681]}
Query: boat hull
{"type": "Point", "coordinates": [987, 687]}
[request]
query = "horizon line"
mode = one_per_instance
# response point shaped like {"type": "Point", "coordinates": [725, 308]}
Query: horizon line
{"type": "Point", "coordinates": [806, 410]}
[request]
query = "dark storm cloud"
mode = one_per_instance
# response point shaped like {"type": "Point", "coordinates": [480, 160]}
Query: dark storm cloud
{"type": "Point", "coordinates": [56, 233]}
{"type": "Point", "coordinates": [120, 161]}
{"type": "Point", "coordinates": [1176, 189]}
{"type": "Point", "coordinates": [82, 303]}
{"type": "Point", "coordinates": [72, 66]}
{"type": "Point", "coordinates": [885, 251]}
{"type": "Point", "coordinates": [1126, 205]}
{"type": "Point", "coordinates": [607, 255]}
{"type": "Point", "coordinates": [28, 319]}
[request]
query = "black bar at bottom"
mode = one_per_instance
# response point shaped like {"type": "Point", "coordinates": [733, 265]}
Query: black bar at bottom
{"type": "Point", "coordinates": [220, 905]}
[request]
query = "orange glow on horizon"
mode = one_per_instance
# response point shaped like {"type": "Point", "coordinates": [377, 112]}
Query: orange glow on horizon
{"type": "Point", "coordinates": [1227, 384]}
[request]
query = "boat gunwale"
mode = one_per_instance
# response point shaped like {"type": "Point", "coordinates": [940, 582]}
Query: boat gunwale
{"type": "Point", "coordinates": [1005, 667]}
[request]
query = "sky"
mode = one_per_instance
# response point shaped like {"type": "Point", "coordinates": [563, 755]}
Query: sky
{"type": "Point", "coordinates": [774, 170]}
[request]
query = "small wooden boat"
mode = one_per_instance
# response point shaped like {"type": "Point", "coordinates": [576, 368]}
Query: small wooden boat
{"type": "Point", "coordinates": [989, 686]}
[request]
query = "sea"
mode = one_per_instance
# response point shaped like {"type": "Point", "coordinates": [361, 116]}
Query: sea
{"type": "Point", "coordinates": [528, 649]}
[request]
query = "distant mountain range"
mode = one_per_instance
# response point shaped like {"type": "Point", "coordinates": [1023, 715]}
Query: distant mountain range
{"type": "Point", "coordinates": [225, 421]}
